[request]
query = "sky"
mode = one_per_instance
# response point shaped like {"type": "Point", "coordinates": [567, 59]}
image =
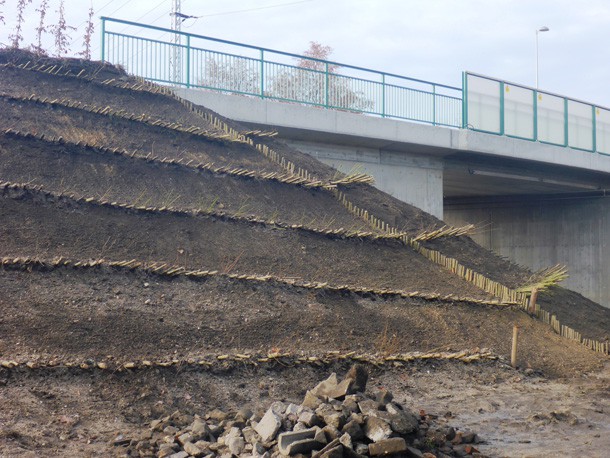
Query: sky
{"type": "Point", "coordinates": [433, 40]}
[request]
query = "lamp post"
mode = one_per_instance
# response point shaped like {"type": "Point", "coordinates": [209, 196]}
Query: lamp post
{"type": "Point", "coordinates": [540, 29]}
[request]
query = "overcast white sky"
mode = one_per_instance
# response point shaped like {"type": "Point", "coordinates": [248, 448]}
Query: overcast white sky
{"type": "Point", "coordinates": [428, 39]}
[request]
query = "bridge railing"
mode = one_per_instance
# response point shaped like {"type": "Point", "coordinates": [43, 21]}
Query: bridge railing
{"type": "Point", "coordinates": [196, 61]}
{"type": "Point", "coordinates": [502, 108]}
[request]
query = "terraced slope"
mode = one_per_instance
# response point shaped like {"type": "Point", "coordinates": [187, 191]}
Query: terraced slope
{"type": "Point", "coordinates": [140, 232]}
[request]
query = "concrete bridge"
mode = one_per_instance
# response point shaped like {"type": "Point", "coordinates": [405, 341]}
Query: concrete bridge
{"type": "Point", "coordinates": [536, 203]}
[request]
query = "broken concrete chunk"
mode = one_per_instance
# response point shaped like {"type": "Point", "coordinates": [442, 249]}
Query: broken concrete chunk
{"type": "Point", "coordinates": [354, 430]}
{"type": "Point", "coordinates": [346, 441]}
{"type": "Point", "coordinates": [311, 401]}
{"type": "Point", "coordinates": [334, 419]}
{"type": "Point", "coordinates": [335, 452]}
{"type": "Point", "coordinates": [310, 418]}
{"type": "Point", "coordinates": [360, 376]}
{"type": "Point", "coordinates": [342, 389]}
{"type": "Point", "coordinates": [326, 387]}
{"type": "Point", "coordinates": [184, 438]}
{"type": "Point", "coordinates": [369, 406]}
{"type": "Point", "coordinates": [388, 447]}
{"type": "Point", "coordinates": [193, 450]}
{"type": "Point", "coordinates": [293, 442]}
{"type": "Point", "coordinates": [236, 445]}
{"type": "Point", "coordinates": [181, 454]}
{"type": "Point", "coordinates": [269, 425]}
{"type": "Point", "coordinates": [377, 429]}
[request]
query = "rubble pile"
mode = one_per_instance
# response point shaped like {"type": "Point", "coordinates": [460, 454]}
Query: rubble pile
{"type": "Point", "coordinates": [336, 419]}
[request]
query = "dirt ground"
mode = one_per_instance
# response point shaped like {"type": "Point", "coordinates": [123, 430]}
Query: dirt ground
{"type": "Point", "coordinates": [556, 403]}
{"type": "Point", "coordinates": [71, 413]}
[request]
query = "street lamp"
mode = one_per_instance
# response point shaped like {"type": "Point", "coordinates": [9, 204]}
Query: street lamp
{"type": "Point", "coordinates": [541, 29]}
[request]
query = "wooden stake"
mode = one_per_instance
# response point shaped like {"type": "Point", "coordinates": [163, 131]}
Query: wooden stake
{"type": "Point", "coordinates": [513, 353]}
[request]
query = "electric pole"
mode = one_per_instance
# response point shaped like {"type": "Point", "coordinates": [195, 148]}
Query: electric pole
{"type": "Point", "coordinates": [176, 15]}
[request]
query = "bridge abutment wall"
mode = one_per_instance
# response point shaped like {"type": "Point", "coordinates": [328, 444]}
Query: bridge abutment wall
{"type": "Point", "coordinates": [540, 233]}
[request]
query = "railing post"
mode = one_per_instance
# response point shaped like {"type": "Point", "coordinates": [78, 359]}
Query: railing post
{"type": "Point", "coordinates": [501, 107]}
{"type": "Point", "coordinates": [326, 85]}
{"type": "Point", "coordinates": [594, 136]}
{"type": "Point", "coordinates": [464, 100]}
{"type": "Point", "coordinates": [535, 92]}
{"type": "Point", "coordinates": [565, 122]}
{"type": "Point", "coordinates": [383, 95]}
{"type": "Point", "coordinates": [103, 47]}
{"type": "Point", "coordinates": [262, 74]}
{"type": "Point", "coordinates": [434, 104]}
{"type": "Point", "coordinates": [188, 61]}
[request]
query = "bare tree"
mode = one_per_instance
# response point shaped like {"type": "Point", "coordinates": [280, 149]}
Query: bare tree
{"type": "Point", "coordinates": [86, 53]}
{"type": "Point", "coordinates": [237, 76]}
{"type": "Point", "coordinates": [60, 31]}
{"type": "Point", "coordinates": [316, 81]}
{"type": "Point", "coordinates": [16, 36]}
{"type": "Point", "coordinates": [1, 17]}
{"type": "Point", "coordinates": [42, 28]}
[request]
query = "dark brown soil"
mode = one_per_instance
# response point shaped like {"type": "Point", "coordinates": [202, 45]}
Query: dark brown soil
{"type": "Point", "coordinates": [103, 175]}
{"type": "Point", "coordinates": [33, 226]}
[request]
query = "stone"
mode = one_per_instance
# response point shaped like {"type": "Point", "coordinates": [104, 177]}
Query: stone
{"type": "Point", "coordinates": [166, 450]}
{"type": "Point", "coordinates": [236, 444]}
{"type": "Point", "coordinates": [184, 438]}
{"type": "Point", "coordinates": [171, 430]}
{"type": "Point", "coordinates": [403, 423]}
{"type": "Point", "coordinates": [193, 450]}
{"type": "Point", "coordinates": [388, 447]}
{"type": "Point", "coordinates": [384, 397]}
{"type": "Point", "coordinates": [243, 414]}
{"type": "Point", "coordinates": [325, 387]}
{"type": "Point", "coordinates": [354, 430]}
{"type": "Point", "coordinates": [250, 435]}
{"type": "Point", "coordinates": [292, 409]}
{"type": "Point", "coordinates": [369, 406]}
{"type": "Point", "coordinates": [203, 445]}
{"type": "Point", "coordinates": [279, 407]}
{"type": "Point", "coordinates": [293, 442]}
{"type": "Point", "coordinates": [311, 400]}
{"type": "Point", "coordinates": [258, 449]}
{"type": "Point", "coordinates": [335, 452]}
{"type": "Point", "coordinates": [346, 441]}
{"type": "Point", "coordinates": [199, 430]}
{"type": "Point", "coordinates": [157, 425]}
{"type": "Point", "coordinates": [181, 454]}
{"type": "Point", "coordinates": [331, 433]}
{"type": "Point", "coordinates": [217, 415]}
{"type": "Point", "coordinates": [350, 404]}
{"type": "Point", "coordinates": [334, 419]}
{"type": "Point", "coordinates": [342, 389]}
{"type": "Point", "coordinates": [360, 376]}
{"type": "Point", "coordinates": [299, 426]}
{"type": "Point", "coordinates": [269, 425]}
{"type": "Point", "coordinates": [329, 446]}
{"type": "Point", "coordinates": [376, 429]}
{"type": "Point", "coordinates": [310, 418]}
{"type": "Point", "coordinates": [232, 432]}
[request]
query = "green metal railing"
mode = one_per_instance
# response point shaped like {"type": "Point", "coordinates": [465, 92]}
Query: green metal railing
{"type": "Point", "coordinates": [196, 61]}
{"type": "Point", "coordinates": [498, 107]}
